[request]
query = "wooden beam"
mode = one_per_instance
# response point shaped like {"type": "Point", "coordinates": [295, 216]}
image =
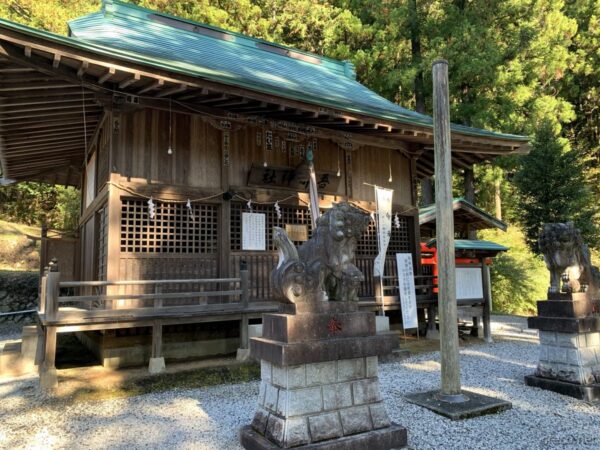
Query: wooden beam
{"type": "Point", "coordinates": [28, 101]}
{"type": "Point", "coordinates": [172, 91]}
{"type": "Point", "coordinates": [45, 148]}
{"type": "Point", "coordinates": [107, 75]}
{"type": "Point", "coordinates": [11, 87]}
{"type": "Point", "coordinates": [56, 61]}
{"type": "Point", "coordinates": [94, 110]}
{"type": "Point", "coordinates": [15, 142]}
{"type": "Point", "coordinates": [83, 67]}
{"type": "Point", "coordinates": [129, 81]}
{"type": "Point", "coordinates": [149, 87]}
{"type": "Point", "coordinates": [77, 105]}
{"type": "Point", "coordinates": [44, 124]}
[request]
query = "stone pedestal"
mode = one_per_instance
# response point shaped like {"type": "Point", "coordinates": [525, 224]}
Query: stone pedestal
{"type": "Point", "coordinates": [319, 381]}
{"type": "Point", "coordinates": [569, 346]}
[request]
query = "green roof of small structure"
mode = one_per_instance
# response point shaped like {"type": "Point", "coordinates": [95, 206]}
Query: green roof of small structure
{"type": "Point", "coordinates": [472, 244]}
{"type": "Point", "coordinates": [155, 39]}
{"type": "Point", "coordinates": [427, 214]}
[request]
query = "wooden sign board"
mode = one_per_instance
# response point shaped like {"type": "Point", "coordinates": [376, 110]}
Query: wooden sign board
{"type": "Point", "coordinates": [406, 287]}
{"type": "Point", "coordinates": [291, 178]}
{"type": "Point", "coordinates": [469, 283]}
{"type": "Point", "coordinates": [297, 232]}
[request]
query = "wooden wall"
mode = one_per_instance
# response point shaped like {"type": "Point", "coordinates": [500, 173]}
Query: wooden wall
{"type": "Point", "coordinates": [196, 158]}
{"type": "Point", "coordinates": [135, 146]}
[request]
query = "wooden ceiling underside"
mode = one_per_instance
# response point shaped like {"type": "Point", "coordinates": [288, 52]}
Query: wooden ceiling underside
{"type": "Point", "coordinates": [48, 92]}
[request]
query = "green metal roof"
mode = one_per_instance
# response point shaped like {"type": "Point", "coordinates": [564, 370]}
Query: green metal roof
{"type": "Point", "coordinates": [162, 41]}
{"type": "Point", "coordinates": [427, 214]}
{"type": "Point", "coordinates": [471, 244]}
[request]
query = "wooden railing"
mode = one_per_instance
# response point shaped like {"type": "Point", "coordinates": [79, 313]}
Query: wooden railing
{"type": "Point", "coordinates": [210, 294]}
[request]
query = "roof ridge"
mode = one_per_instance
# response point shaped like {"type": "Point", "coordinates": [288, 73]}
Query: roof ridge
{"type": "Point", "coordinates": [130, 10]}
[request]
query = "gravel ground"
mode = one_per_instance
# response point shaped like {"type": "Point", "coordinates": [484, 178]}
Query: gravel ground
{"type": "Point", "coordinates": [208, 418]}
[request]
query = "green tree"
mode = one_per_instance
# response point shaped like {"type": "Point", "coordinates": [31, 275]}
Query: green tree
{"type": "Point", "coordinates": [553, 187]}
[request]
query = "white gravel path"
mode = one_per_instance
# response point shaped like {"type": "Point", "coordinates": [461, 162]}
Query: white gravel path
{"type": "Point", "coordinates": [208, 418]}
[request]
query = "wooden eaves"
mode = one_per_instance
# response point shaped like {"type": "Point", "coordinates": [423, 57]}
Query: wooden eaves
{"type": "Point", "coordinates": [47, 88]}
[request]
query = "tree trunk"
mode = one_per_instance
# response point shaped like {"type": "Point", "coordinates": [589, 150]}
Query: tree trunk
{"type": "Point", "coordinates": [497, 199]}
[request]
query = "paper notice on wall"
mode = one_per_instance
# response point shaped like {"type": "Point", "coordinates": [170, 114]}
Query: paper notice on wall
{"type": "Point", "coordinates": [406, 289]}
{"type": "Point", "coordinates": [383, 199]}
{"type": "Point", "coordinates": [469, 283]}
{"type": "Point", "coordinates": [253, 231]}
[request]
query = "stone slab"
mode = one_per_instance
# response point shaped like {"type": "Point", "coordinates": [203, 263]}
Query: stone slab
{"type": "Point", "coordinates": [590, 393]}
{"type": "Point", "coordinates": [476, 405]}
{"type": "Point", "coordinates": [564, 309]}
{"type": "Point", "coordinates": [288, 354]}
{"type": "Point", "coordinates": [318, 307]}
{"type": "Point", "coordinates": [394, 436]}
{"type": "Point", "coordinates": [310, 327]}
{"type": "Point", "coordinates": [564, 325]}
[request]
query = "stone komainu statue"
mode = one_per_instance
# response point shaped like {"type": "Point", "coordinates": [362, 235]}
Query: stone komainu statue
{"type": "Point", "coordinates": [567, 257]}
{"type": "Point", "coordinates": [323, 267]}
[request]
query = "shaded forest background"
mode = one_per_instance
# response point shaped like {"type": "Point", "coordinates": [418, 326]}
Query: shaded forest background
{"type": "Point", "coordinates": [527, 67]}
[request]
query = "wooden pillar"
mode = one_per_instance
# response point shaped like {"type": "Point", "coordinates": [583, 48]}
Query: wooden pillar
{"type": "Point", "coordinates": [225, 210]}
{"type": "Point", "coordinates": [450, 367]}
{"type": "Point", "coordinates": [244, 286]}
{"type": "Point", "coordinates": [48, 377]}
{"type": "Point", "coordinates": [487, 302]}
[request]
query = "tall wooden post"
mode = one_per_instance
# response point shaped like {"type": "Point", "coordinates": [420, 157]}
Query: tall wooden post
{"type": "Point", "coordinates": [450, 387]}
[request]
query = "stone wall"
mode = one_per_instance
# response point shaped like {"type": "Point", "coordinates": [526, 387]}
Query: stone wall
{"type": "Point", "coordinates": [18, 292]}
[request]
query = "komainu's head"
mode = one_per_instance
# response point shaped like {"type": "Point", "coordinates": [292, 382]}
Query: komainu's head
{"type": "Point", "coordinates": [344, 221]}
{"type": "Point", "coordinates": [560, 243]}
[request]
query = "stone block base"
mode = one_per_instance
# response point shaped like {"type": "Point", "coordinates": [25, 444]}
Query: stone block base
{"type": "Point", "coordinates": [391, 437]}
{"type": "Point", "coordinates": [306, 404]}
{"type": "Point", "coordinates": [569, 357]}
{"type": "Point", "coordinates": [590, 393]}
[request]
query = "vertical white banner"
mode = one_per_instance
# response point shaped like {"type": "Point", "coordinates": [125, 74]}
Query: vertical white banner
{"type": "Point", "coordinates": [383, 200]}
{"type": "Point", "coordinates": [406, 289]}
{"type": "Point", "coordinates": [253, 231]}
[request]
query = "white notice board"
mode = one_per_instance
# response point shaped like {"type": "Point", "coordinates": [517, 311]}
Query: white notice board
{"type": "Point", "coordinates": [469, 283]}
{"type": "Point", "coordinates": [253, 231]}
{"type": "Point", "coordinates": [406, 286]}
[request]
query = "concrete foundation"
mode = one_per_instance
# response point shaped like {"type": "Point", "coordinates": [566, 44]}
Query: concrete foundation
{"type": "Point", "coordinates": [130, 351]}
{"type": "Point", "coordinates": [156, 365]}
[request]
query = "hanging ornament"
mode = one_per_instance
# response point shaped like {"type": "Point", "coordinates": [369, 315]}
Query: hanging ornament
{"type": "Point", "coordinates": [265, 164]}
{"type": "Point", "coordinates": [188, 205]}
{"type": "Point", "coordinates": [249, 205]}
{"type": "Point", "coordinates": [396, 221]}
{"type": "Point", "coordinates": [170, 149]}
{"type": "Point", "coordinates": [278, 210]}
{"type": "Point", "coordinates": [372, 216]}
{"type": "Point", "coordinates": [339, 171]}
{"type": "Point", "coordinates": [151, 208]}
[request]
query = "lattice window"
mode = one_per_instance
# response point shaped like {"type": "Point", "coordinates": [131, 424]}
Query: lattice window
{"type": "Point", "coordinates": [399, 241]}
{"type": "Point", "coordinates": [172, 230]}
{"type": "Point", "coordinates": [296, 215]}
{"type": "Point", "coordinates": [102, 242]}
